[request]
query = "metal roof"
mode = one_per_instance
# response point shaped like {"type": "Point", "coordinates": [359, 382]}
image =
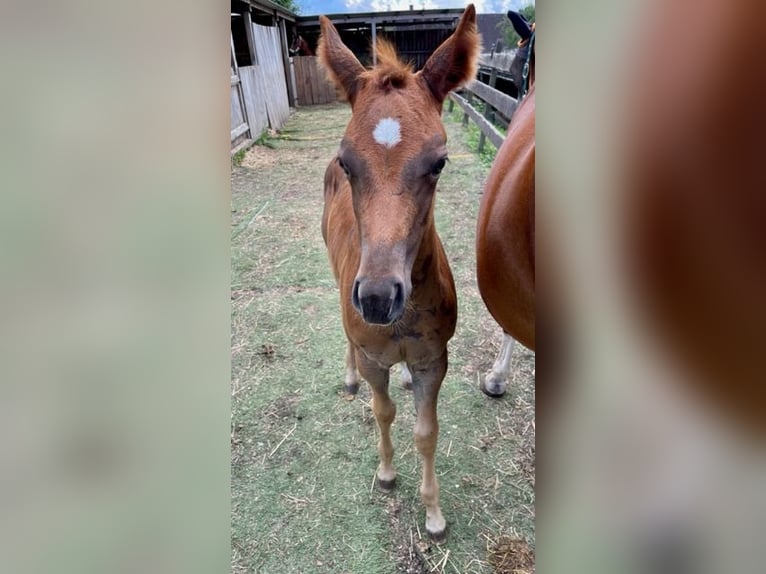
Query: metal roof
{"type": "Point", "coordinates": [397, 16]}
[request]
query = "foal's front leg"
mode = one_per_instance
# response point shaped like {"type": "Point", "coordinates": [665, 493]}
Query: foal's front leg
{"type": "Point", "coordinates": [384, 410]}
{"type": "Point", "coordinates": [351, 386]}
{"type": "Point", "coordinates": [426, 381]}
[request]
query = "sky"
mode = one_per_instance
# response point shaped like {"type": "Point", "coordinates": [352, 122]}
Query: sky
{"type": "Point", "coordinates": [311, 7]}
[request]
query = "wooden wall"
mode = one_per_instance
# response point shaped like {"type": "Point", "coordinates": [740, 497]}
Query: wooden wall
{"type": "Point", "coordinates": [259, 95]}
{"type": "Point", "coordinates": [312, 87]}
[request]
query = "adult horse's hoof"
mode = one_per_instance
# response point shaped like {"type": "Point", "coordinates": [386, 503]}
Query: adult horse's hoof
{"type": "Point", "coordinates": [493, 385]}
{"type": "Point", "coordinates": [350, 391]}
{"type": "Point", "coordinates": [438, 537]}
{"type": "Point", "coordinates": [385, 486]}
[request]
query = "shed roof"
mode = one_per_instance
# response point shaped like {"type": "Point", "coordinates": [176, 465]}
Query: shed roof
{"type": "Point", "coordinates": [396, 16]}
{"type": "Point", "coordinates": [271, 8]}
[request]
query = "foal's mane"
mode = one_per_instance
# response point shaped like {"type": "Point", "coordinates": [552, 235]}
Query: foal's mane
{"type": "Point", "coordinates": [390, 72]}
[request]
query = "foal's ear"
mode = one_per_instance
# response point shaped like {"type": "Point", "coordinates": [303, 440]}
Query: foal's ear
{"type": "Point", "coordinates": [454, 62]}
{"type": "Point", "coordinates": [520, 24]}
{"type": "Point", "coordinates": [342, 66]}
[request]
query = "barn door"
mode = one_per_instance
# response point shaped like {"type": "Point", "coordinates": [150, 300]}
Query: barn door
{"type": "Point", "coordinates": [239, 125]}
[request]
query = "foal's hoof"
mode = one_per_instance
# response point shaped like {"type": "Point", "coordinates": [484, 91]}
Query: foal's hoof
{"type": "Point", "coordinates": [438, 537]}
{"type": "Point", "coordinates": [406, 378]}
{"type": "Point", "coordinates": [350, 391]}
{"type": "Point", "coordinates": [385, 485]}
{"type": "Point", "coordinates": [493, 385]}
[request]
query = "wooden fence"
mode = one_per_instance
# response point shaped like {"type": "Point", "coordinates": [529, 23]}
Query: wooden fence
{"type": "Point", "coordinates": [498, 109]}
{"type": "Point", "coordinates": [259, 96]}
{"type": "Point", "coordinates": [311, 84]}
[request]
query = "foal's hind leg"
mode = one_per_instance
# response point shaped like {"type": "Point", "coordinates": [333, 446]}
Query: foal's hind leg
{"type": "Point", "coordinates": [426, 382]}
{"type": "Point", "coordinates": [384, 410]}
{"type": "Point", "coordinates": [406, 376]}
{"type": "Point", "coordinates": [496, 381]}
{"type": "Point", "coordinates": [351, 386]}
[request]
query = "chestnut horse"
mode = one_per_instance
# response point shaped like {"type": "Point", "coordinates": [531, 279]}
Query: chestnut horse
{"type": "Point", "coordinates": [397, 294]}
{"type": "Point", "coordinates": [505, 236]}
{"type": "Point", "coordinates": [300, 47]}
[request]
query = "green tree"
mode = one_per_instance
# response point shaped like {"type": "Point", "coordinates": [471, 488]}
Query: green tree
{"type": "Point", "coordinates": [510, 36]}
{"type": "Point", "coordinates": [291, 5]}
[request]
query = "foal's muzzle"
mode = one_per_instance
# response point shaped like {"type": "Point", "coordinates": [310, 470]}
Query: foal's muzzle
{"type": "Point", "coordinates": [379, 302]}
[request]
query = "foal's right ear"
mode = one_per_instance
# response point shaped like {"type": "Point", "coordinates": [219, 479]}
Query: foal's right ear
{"type": "Point", "coordinates": [342, 66]}
{"type": "Point", "coordinates": [454, 62]}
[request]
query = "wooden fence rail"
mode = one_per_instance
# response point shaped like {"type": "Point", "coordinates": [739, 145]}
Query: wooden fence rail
{"type": "Point", "coordinates": [498, 107]}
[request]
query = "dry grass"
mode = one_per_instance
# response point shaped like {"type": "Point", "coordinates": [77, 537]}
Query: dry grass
{"type": "Point", "coordinates": [303, 458]}
{"type": "Point", "coordinates": [509, 555]}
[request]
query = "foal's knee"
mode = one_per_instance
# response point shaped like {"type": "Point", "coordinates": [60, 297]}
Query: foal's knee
{"type": "Point", "coordinates": [384, 411]}
{"type": "Point", "coordinates": [425, 438]}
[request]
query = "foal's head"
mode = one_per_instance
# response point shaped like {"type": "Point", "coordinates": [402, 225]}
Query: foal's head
{"type": "Point", "coordinates": [525, 30]}
{"type": "Point", "coordinates": [393, 152]}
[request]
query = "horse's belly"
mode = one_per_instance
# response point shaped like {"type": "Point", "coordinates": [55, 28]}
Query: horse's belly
{"type": "Point", "coordinates": [505, 246]}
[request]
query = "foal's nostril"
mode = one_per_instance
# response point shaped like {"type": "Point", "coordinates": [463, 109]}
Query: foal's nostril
{"type": "Point", "coordinates": [397, 303]}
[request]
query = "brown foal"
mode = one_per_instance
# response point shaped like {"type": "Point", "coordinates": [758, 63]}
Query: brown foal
{"type": "Point", "coordinates": [396, 289]}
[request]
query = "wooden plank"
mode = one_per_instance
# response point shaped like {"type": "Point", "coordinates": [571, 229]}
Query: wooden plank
{"type": "Point", "coordinates": [272, 74]}
{"type": "Point", "coordinates": [311, 80]}
{"type": "Point", "coordinates": [255, 104]}
{"type": "Point", "coordinates": [314, 83]}
{"type": "Point", "coordinates": [303, 83]}
{"type": "Point", "coordinates": [250, 40]}
{"type": "Point", "coordinates": [236, 108]}
{"type": "Point", "coordinates": [290, 82]}
{"type": "Point", "coordinates": [486, 128]}
{"type": "Point", "coordinates": [298, 73]}
{"type": "Point", "coordinates": [238, 131]}
{"type": "Point", "coordinates": [503, 103]}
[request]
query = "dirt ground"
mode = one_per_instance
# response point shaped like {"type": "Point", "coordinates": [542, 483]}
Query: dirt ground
{"type": "Point", "coordinates": [303, 458]}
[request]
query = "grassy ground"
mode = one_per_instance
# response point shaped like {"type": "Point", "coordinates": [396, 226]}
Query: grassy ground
{"type": "Point", "coordinates": [302, 457]}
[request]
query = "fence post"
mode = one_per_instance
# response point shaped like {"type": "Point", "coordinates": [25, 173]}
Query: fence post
{"type": "Point", "coordinates": [489, 112]}
{"type": "Point", "coordinates": [469, 99]}
{"type": "Point", "coordinates": [451, 105]}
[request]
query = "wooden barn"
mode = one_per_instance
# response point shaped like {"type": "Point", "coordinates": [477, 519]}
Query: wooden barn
{"type": "Point", "coordinates": [261, 87]}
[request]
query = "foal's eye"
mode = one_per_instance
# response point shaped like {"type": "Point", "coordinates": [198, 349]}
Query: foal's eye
{"type": "Point", "coordinates": [343, 167]}
{"type": "Point", "coordinates": [437, 168]}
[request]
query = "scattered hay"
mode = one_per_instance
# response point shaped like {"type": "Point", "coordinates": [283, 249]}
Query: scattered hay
{"type": "Point", "coordinates": [409, 548]}
{"type": "Point", "coordinates": [510, 555]}
{"type": "Point", "coordinates": [260, 156]}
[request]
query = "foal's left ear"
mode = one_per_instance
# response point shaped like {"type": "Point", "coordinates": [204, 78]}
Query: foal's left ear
{"type": "Point", "coordinates": [454, 62]}
{"type": "Point", "coordinates": [341, 64]}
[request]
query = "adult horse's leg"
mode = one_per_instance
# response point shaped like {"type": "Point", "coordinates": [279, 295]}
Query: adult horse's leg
{"type": "Point", "coordinates": [495, 382]}
{"type": "Point", "coordinates": [384, 410]}
{"type": "Point", "coordinates": [352, 375]}
{"type": "Point", "coordinates": [426, 382]}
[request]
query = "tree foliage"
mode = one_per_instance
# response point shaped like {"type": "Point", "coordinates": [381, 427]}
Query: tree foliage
{"type": "Point", "coordinates": [291, 5]}
{"type": "Point", "coordinates": [510, 36]}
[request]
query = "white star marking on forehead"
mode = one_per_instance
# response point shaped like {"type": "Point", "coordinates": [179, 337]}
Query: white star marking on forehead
{"type": "Point", "coordinates": [387, 132]}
